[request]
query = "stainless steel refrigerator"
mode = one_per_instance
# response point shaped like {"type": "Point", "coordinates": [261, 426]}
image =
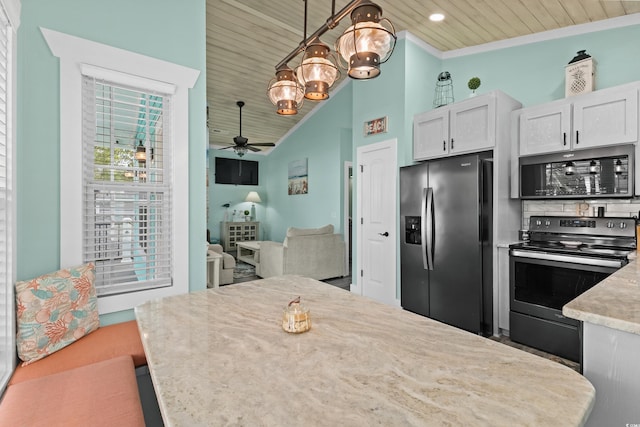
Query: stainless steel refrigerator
{"type": "Point", "coordinates": [446, 240]}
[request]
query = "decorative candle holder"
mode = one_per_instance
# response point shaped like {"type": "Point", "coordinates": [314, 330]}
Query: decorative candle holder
{"type": "Point", "coordinates": [296, 317]}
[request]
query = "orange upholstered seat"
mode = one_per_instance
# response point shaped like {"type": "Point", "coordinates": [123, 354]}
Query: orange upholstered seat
{"type": "Point", "coordinates": [105, 343]}
{"type": "Point", "coordinates": [99, 394]}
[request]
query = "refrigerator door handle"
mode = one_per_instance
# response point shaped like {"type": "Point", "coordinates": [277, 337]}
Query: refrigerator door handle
{"type": "Point", "coordinates": [427, 228]}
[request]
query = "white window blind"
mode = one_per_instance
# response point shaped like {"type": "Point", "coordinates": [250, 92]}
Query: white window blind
{"type": "Point", "coordinates": [7, 205]}
{"type": "Point", "coordinates": [127, 186]}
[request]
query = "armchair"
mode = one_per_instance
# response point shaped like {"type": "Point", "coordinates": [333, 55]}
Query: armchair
{"type": "Point", "coordinates": [317, 253]}
{"type": "Point", "coordinates": [226, 266]}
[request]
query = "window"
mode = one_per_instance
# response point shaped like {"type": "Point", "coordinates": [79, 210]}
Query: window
{"type": "Point", "coordinates": [127, 211]}
{"type": "Point", "coordinates": [115, 207]}
{"type": "Point", "coordinates": [7, 195]}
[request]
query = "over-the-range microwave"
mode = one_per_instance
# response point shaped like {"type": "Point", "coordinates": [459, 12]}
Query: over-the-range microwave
{"type": "Point", "coordinates": [580, 174]}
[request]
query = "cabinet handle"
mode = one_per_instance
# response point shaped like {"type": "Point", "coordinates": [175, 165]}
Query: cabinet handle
{"type": "Point", "coordinates": [564, 137]}
{"type": "Point", "coordinates": [577, 137]}
{"type": "Point", "coordinates": [444, 145]}
{"type": "Point", "coordinates": [452, 143]}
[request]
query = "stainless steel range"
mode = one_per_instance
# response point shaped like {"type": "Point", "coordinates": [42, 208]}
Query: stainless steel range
{"type": "Point", "coordinates": [564, 257]}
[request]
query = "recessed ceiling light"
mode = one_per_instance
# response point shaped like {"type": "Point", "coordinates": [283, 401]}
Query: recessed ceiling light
{"type": "Point", "coordinates": [436, 17]}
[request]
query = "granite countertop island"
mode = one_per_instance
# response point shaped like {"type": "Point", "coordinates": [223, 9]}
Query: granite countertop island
{"type": "Point", "coordinates": [614, 302]}
{"type": "Point", "coordinates": [610, 315]}
{"type": "Point", "coordinates": [220, 357]}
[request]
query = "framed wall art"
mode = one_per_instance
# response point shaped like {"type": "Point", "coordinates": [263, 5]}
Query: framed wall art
{"type": "Point", "coordinates": [298, 177]}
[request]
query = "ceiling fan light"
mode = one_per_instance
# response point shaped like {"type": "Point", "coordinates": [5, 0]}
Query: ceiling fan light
{"type": "Point", "coordinates": [366, 43]}
{"type": "Point", "coordinates": [317, 72]}
{"type": "Point", "coordinates": [285, 92]}
{"type": "Point", "coordinates": [240, 151]}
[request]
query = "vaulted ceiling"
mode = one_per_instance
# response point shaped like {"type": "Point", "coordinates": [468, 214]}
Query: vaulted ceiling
{"type": "Point", "coordinates": [247, 38]}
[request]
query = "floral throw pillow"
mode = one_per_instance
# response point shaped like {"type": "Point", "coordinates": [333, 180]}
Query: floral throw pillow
{"type": "Point", "coordinates": [55, 310]}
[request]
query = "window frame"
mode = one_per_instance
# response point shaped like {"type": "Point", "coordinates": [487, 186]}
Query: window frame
{"type": "Point", "coordinates": [8, 335]}
{"type": "Point", "coordinates": [74, 54]}
{"type": "Point", "coordinates": [90, 101]}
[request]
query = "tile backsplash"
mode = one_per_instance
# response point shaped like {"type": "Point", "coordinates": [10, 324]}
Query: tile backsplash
{"type": "Point", "coordinates": [612, 208]}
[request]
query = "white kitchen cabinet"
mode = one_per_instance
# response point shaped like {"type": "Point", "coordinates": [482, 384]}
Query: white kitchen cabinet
{"type": "Point", "coordinates": [596, 119]}
{"type": "Point", "coordinates": [463, 127]}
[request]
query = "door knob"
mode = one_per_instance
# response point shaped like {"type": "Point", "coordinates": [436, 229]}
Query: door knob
{"type": "Point", "coordinates": [385, 234]}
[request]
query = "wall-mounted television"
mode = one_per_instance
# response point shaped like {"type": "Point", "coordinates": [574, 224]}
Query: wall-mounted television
{"type": "Point", "coordinates": [236, 171]}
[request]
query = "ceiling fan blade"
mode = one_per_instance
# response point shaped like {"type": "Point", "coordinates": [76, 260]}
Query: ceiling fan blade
{"type": "Point", "coordinates": [262, 144]}
{"type": "Point", "coordinates": [252, 148]}
{"type": "Point", "coordinates": [224, 148]}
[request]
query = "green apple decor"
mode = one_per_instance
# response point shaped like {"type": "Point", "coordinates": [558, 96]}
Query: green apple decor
{"type": "Point", "coordinates": [474, 83]}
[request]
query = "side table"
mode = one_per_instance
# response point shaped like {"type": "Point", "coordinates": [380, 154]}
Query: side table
{"type": "Point", "coordinates": [213, 269]}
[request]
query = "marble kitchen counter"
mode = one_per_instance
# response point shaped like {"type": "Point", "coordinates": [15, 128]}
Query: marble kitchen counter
{"type": "Point", "coordinates": [613, 303]}
{"type": "Point", "coordinates": [220, 357]}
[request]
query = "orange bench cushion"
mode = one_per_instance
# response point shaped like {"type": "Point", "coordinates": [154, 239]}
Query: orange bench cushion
{"type": "Point", "coordinates": [100, 394]}
{"type": "Point", "coordinates": [105, 343]}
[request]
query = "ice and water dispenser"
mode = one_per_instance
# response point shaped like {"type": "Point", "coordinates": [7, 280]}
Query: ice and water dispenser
{"type": "Point", "coordinates": [412, 230]}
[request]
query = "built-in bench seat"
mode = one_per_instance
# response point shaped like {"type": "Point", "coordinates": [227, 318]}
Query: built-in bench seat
{"type": "Point", "coordinates": [98, 394]}
{"type": "Point", "coordinates": [104, 371]}
{"type": "Point", "coordinates": [107, 342]}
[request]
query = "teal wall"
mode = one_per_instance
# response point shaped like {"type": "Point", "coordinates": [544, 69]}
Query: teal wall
{"type": "Point", "coordinates": [168, 30]}
{"type": "Point", "coordinates": [220, 194]}
{"type": "Point", "coordinates": [325, 140]}
{"type": "Point", "coordinates": [534, 74]}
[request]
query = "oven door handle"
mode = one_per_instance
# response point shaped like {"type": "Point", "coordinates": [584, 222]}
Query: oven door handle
{"type": "Point", "coordinates": [545, 256]}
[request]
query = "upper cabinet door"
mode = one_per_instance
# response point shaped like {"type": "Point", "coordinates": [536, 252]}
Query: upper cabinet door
{"type": "Point", "coordinates": [473, 125]}
{"type": "Point", "coordinates": [606, 118]}
{"type": "Point", "coordinates": [431, 134]}
{"type": "Point", "coordinates": [545, 129]}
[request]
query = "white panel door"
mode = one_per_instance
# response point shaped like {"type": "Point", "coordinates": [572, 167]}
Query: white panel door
{"type": "Point", "coordinates": [377, 182]}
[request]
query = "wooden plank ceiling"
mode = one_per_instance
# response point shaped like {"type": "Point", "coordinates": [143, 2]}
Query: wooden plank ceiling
{"type": "Point", "coordinates": [247, 38]}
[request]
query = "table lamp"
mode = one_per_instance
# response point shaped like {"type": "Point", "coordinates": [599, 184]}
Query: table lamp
{"type": "Point", "coordinates": [253, 197]}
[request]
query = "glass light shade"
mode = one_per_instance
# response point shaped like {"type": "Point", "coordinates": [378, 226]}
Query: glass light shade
{"type": "Point", "coordinates": [285, 92]}
{"type": "Point", "coordinates": [240, 151]}
{"type": "Point", "coordinates": [569, 168]}
{"type": "Point", "coordinates": [364, 46]}
{"type": "Point", "coordinates": [141, 153]}
{"type": "Point", "coordinates": [316, 72]}
{"type": "Point", "coordinates": [618, 167]}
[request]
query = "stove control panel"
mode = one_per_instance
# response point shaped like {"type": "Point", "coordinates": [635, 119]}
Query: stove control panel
{"type": "Point", "coordinates": [578, 223]}
{"type": "Point", "coordinates": [620, 227]}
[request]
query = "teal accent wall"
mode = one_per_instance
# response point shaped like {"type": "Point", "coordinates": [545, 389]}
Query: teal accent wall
{"type": "Point", "coordinates": [168, 30]}
{"type": "Point", "coordinates": [534, 73]}
{"type": "Point", "coordinates": [220, 194]}
{"type": "Point", "coordinates": [325, 140]}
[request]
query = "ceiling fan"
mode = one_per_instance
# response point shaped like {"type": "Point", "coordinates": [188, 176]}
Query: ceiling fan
{"type": "Point", "coordinates": [241, 143]}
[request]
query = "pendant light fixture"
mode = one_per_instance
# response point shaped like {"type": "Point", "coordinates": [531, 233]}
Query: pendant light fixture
{"type": "Point", "coordinates": [141, 153]}
{"type": "Point", "coordinates": [318, 71]}
{"type": "Point", "coordinates": [366, 43]}
{"type": "Point", "coordinates": [569, 168]}
{"type": "Point", "coordinates": [618, 169]}
{"type": "Point", "coordinates": [285, 92]}
{"type": "Point", "coordinates": [364, 46]}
